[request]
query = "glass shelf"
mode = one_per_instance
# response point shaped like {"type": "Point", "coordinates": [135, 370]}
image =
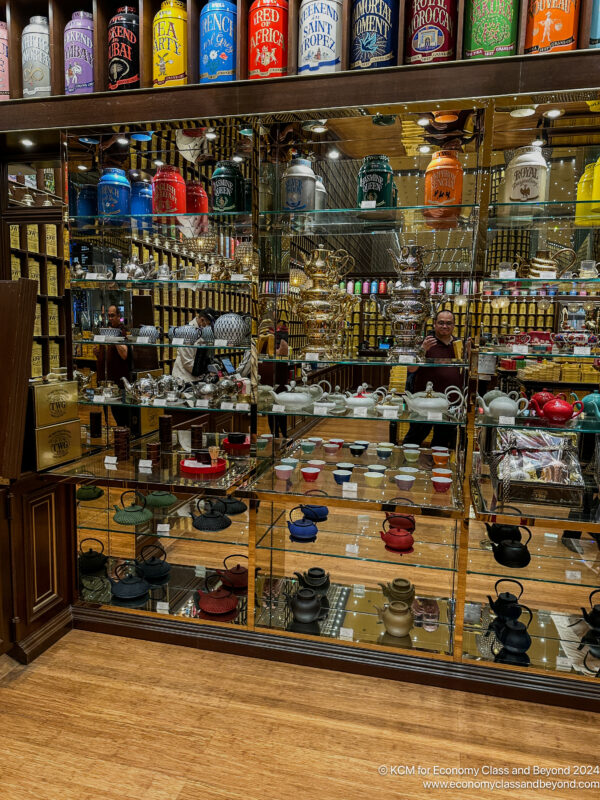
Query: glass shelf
{"type": "Point", "coordinates": [148, 218]}
{"type": "Point", "coordinates": [577, 425]}
{"type": "Point", "coordinates": [133, 342]}
{"type": "Point", "coordinates": [536, 282]}
{"type": "Point", "coordinates": [544, 545]}
{"type": "Point", "coordinates": [401, 416]}
{"type": "Point", "coordinates": [362, 362]}
{"type": "Point", "coordinates": [370, 222]}
{"type": "Point", "coordinates": [176, 406]}
{"type": "Point", "coordinates": [501, 351]}
{"type": "Point", "coordinates": [235, 535]}
{"type": "Point", "coordinates": [183, 283]}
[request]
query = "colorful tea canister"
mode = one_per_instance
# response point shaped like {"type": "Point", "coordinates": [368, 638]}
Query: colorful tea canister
{"type": "Point", "coordinates": [374, 33]}
{"type": "Point", "coordinates": [320, 36]}
{"type": "Point", "coordinates": [218, 32]}
{"type": "Point", "coordinates": [430, 31]}
{"type": "Point", "coordinates": [35, 58]}
{"type": "Point", "coordinates": [490, 28]}
{"type": "Point", "coordinates": [267, 38]}
{"type": "Point", "coordinates": [124, 49]}
{"type": "Point", "coordinates": [4, 83]}
{"type": "Point", "coordinates": [79, 53]}
{"type": "Point", "coordinates": [169, 44]}
{"type": "Point", "coordinates": [551, 25]}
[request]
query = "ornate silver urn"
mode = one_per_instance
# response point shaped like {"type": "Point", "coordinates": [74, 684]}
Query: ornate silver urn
{"type": "Point", "coordinates": [408, 305]}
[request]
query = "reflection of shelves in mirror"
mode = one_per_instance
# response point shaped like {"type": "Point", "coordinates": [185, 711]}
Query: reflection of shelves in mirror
{"type": "Point", "coordinates": [135, 343]}
{"type": "Point", "coordinates": [362, 362]}
{"type": "Point", "coordinates": [180, 283]}
{"type": "Point", "coordinates": [504, 352]}
{"type": "Point", "coordinates": [235, 534]}
{"type": "Point", "coordinates": [579, 424]}
{"type": "Point", "coordinates": [167, 405]}
{"type": "Point", "coordinates": [387, 413]}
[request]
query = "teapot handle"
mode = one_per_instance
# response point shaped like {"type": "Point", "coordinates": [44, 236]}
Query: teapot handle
{"type": "Point", "coordinates": [120, 571]}
{"type": "Point", "coordinates": [292, 511]}
{"type": "Point", "coordinates": [529, 532]}
{"type": "Point", "coordinates": [562, 270]}
{"type": "Point", "coordinates": [137, 494]}
{"type": "Point", "coordinates": [161, 550]}
{"type": "Point", "coordinates": [590, 597]}
{"type": "Point", "coordinates": [529, 611]}
{"type": "Point", "coordinates": [316, 491]}
{"type": "Point", "coordinates": [580, 404]}
{"type": "Point", "coordinates": [401, 516]}
{"type": "Point", "coordinates": [210, 503]}
{"type": "Point", "coordinates": [233, 555]}
{"type": "Point", "coordinates": [509, 580]}
{"type": "Point", "coordinates": [91, 539]}
{"type": "Point", "coordinates": [405, 499]}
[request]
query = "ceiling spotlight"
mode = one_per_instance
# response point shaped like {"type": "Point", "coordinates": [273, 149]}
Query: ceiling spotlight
{"type": "Point", "coordinates": [89, 140]}
{"type": "Point", "coordinates": [122, 140]}
{"type": "Point", "coordinates": [135, 174]}
{"type": "Point", "coordinates": [424, 148]}
{"type": "Point", "coordinates": [423, 121]}
{"type": "Point", "coordinates": [82, 167]}
{"type": "Point", "coordinates": [554, 113]}
{"type": "Point", "coordinates": [527, 111]}
{"type": "Point", "coordinates": [315, 126]}
{"type": "Point", "coordinates": [142, 136]}
{"type": "Point", "coordinates": [158, 163]}
{"type": "Point", "coordinates": [26, 142]}
{"type": "Point", "coordinates": [246, 130]}
{"type": "Point", "coordinates": [319, 128]}
{"type": "Point", "coordinates": [333, 153]}
{"type": "Point", "coordinates": [210, 134]}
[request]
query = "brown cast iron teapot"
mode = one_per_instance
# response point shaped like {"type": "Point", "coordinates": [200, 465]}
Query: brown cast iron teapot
{"type": "Point", "coordinates": [234, 577]}
{"type": "Point", "coordinates": [91, 560]}
{"type": "Point", "coordinates": [218, 601]}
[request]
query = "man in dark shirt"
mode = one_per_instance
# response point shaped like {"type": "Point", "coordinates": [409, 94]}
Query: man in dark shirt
{"type": "Point", "coordinates": [114, 363]}
{"type": "Point", "coordinates": [437, 345]}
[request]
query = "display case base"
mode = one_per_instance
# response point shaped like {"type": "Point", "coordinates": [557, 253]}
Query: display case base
{"type": "Point", "coordinates": [514, 684]}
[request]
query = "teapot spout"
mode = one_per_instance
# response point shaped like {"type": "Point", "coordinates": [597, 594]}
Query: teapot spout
{"type": "Point", "coordinates": [379, 611]}
{"type": "Point", "coordinates": [127, 385]}
{"type": "Point", "coordinates": [586, 616]}
{"type": "Point", "coordinates": [300, 577]}
{"type": "Point", "coordinates": [482, 403]}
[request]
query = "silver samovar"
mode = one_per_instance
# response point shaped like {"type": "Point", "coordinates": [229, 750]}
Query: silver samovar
{"type": "Point", "coordinates": [408, 305]}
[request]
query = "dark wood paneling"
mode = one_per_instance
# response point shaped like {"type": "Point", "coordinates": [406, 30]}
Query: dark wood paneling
{"type": "Point", "coordinates": [57, 18]}
{"type": "Point", "coordinates": [102, 14]}
{"type": "Point", "coordinates": [522, 27]}
{"type": "Point", "coordinates": [346, 26]}
{"type": "Point", "coordinates": [193, 35]}
{"type": "Point", "coordinates": [16, 18]}
{"type": "Point", "coordinates": [5, 577]}
{"type": "Point", "coordinates": [293, 12]}
{"type": "Point", "coordinates": [585, 23]}
{"type": "Point", "coordinates": [494, 77]}
{"type": "Point", "coordinates": [460, 27]}
{"type": "Point", "coordinates": [145, 8]}
{"type": "Point", "coordinates": [243, 7]}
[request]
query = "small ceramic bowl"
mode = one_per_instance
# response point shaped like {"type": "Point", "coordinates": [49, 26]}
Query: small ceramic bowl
{"type": "Point", "coordinates": [411, 455]}
{"type": "Point", "coordinates": [261, 443]}
{"type": "Point", "coordinates": [283, 471]}
{"type": "Point", "coordinates": [316, 439]}
{"type": "Point", "coordinates": [341, 475]}
{"type": "Point", "coordinates": [404, 481]}
{"type": "Point", "coordinates": [357, 449]}
{"type": "Point", "coordinates": [441, 459]}
{"type": "Point", "coordinates": [441, 484]}
{"type": "Point", "coordinates": [411, 446]}
{"type": "Point", "coordinates": [441, 472]}
{"type": "Point", "coordinates": [438, 449]}
{"type": "Point", "coordinates": [307, 447]}
{"type": "Point", "coordinates": [339, 442]}
{"type": "Point", "coordinates": [345, 465]}
{"type": "Point", "coordinates": [310, 473]}
{"type": "Point", "coordinates": [330, 448]}
{"type": "Point", "coordinates": [374, 479]}
{"type": "Point", "coordinates": [408, 470]}
{"type": "Point", "coordinates": [391, 445]}
{"type": "Point", "coordinates": [364, 442]}
{"type": "Point", "coordinates": [376, 468]}
{"type": "Point", "coordinates": [316, 462]}
{"type": "Point", "coordinates": [384, 453]}
{"type": "Point", "coordinates": [290, 461]}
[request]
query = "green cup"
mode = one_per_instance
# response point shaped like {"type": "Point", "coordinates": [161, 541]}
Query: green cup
{"type": "Point", "coordinates": [307, 447]}
{"type": "Point", "coordinates": [261, 444]}
{"type": "Point", "coordinates": [411, 455]}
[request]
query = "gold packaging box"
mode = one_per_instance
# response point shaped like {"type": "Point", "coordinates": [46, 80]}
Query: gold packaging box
{"type": "Point", "coordinates": [37, 324]}
{"type": "Point", "coordinates": [51, 241]}
{"type": "Point", "coordinates": [33, 239]}
{"type": "Point", "coordinates": [15, 267]}
{"type": "Point", "coordinates": [53, 328]}
{"type": "Point", "coordinates": [15, 237]}
{"type": "Point", "coordinates": [55, 403]}
{"type": "Point", "coordinates": [54, 355]}
{"type": "Point", "coordinates": [56, 444]}
{"type": "Point", "coordinates": [36, 360]}
{"type": "Point", "coordinates": [33, 271]}
{"type": "Point", "coordinates": [51, 280]}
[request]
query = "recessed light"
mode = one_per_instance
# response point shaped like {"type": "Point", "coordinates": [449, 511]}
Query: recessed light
{"type": "Point", "coordinates": [554, 113]}
{"type": "Point", "coordinates": [158, 163]}
{"type": "Point", "coordinates": [135, 174]}
{"type": "Point", "coordinates": [211, 135]}
{"type": "Point", "coordinates": [424, 148]}
{"type": "Point", "coordinates": [82, 167]}
{"type": "Point", "coordinates": [26, 142]}
{"type": "Point", "coordinates": [122, 140]}
{"type": "Point", "coordinates": [423, 121]}
{"type": "Point", "coordinates": [333, 153]}
{"type": "Point", "coordinates": [237, 158]}
{"type": "Point", "coordinates": [319, 129]}
{"type": "Point", "coordinates": [246, 130]}
{"type": "Point", "coordinates": [142, 136]}
{"type": "Point", "coordinates": [89, 140]}
{"type": "Point", "coordinates": [527, 111]}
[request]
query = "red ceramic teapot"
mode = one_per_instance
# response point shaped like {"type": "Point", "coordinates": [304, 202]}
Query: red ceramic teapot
{"type": "Point", "coordinates": [545, 396]}
{"type": "Point", "coordinates": [557, 410]}
{"type": "Point", "coordinates": [397, 539]}
{"type": "Point", "coordinates": [234, 577]}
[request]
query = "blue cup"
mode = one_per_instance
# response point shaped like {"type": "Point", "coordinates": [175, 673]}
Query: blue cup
{"type": "Point", "coordinates": [341, 475]}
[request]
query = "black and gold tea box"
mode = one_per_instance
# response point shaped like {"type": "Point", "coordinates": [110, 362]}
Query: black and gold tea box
{"type": "Point", "coordinates": [53, 327]}
{"type": "Point", "coordinates": [56, 444]}
{"type": "Point", "coordinates": [15, 237]}
{"type": "Point", "coordinates": [37, 323]}
{"type": "Point", "coordinates": [15, 267]}
{"type": "Point", "coordinates": [33, 272]}
{"type": "Point", "coordinates": [51, 280]}
{"type": "Point", "coordinates": [51, 241]}
{"type": "Point", "coordinates": [55, 402]}
{"type": "Point", "coordinates": [54, 355]}
{"type": "Point", "coordinates": [36, 360]}
{"type": "Point", "coordinates": [33, 239]}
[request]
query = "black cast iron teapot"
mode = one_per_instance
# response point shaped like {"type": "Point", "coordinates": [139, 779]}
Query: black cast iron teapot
{"type": "Point", "coordinates": [506, 604]}
{"type": "Point", "coordinates": [307, 606]}
{"type": "Point", "coordinates": [514, 635]}
{"type": "Point", "coordinates": [91, 560]}
{"type": "Point", "coordinates": [210, 520]}
{"type": "Point", "coordinates": [512, 553]}
{"type": "Point", "coordinates": [591, 639]}
{"type": "Point", "coordinates": [154, 567]}
{"type": "Point", "coordinates": [500, 532]}
{"type": "Point", "coordinates": [127, 587]}
{"type": "Point", "coordinates": [314, 578]}
{"type": "Point", "coordinates": [592, 617]}
{"type": "Point", "coordinates": [229, 505]}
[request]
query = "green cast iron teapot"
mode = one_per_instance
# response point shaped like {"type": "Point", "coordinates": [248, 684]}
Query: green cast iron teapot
{"type": "Point", "coordinates": [133, 514]}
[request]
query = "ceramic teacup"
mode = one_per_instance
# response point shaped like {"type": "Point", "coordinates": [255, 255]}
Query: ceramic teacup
{"type": "Point", "coordinates": [441, 459]}
{"type": "Point", "coordinates": [357, 449]}
{"type": "Point", "coordinates": [411, 455]}
{"type": "Point", "coordinates": [404, 481]}
{"type": "Point", "coordinates": [310, 473]}
{"type": "Point", "coordinates": [441, 472]}
{"type": "Point", "coordinates": [408, 470]}
{"type": "Point", "coordinates": [290, 461]}
{"type": "Point", "coordinates": [330, 448]}
{"type": "Point", "coordinates": [316, 462]}
{"type": "Point", "coordinates": [307, 447]}
{"type": "Point", "coordinates": [384, 453]}
{"type": "Point", "coordinates": [283, 471]}
{"type": "Point", "coordinates": [376, 468]}
{"type": "Point", "coordinates": [261, 443]}
{"type": "Point", "coordinates": [441, 484]}
{"type": "Point", "coordinates": [341, 475]}
{"type": "Point", "coordinates": [345, 465]}
{"type": "Point", "coordinates": [339, 442]}
{"type": "Point", "coordinates": [374, 479]}
{"type": "Point", "coordinates": [364, 442]}
{"type": "Point", "coordinates": [316, 439]}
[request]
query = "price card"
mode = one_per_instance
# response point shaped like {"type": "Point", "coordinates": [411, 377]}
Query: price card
{"type": "Point", "coordinates": [563, 663]}
{"type": "Point", "coordinates": [91, 276]}
{"type": "Point", "coordinates": [472, 612]}
{"type": "Point", "coordinates": [347, 634]}
{"type": "Point", "coordinates": [99, 338]}
{"type": "Point", "coordinates": [121, 276]}
{"type": "Point", "coordinates": [359, 590]}
{"type": "Point", "coordinates": [506, 420]}
{"type": "Point", "coordinates": [145, 470]}
{"type": "Point", "coordinates": [361, 412]}
{"type": "Point", "coordinates": [405, 359]}
{"type": "Point", "coordinates": [242, 406]}
{"type": "Point", "coordinates": [311, 357]}
{"type": "Point", "coordinates": [110, 459]}
{"type": "Point", "coordinates": [200, 571]}
{"type": "Point", "coordinates": [364, 520]}
{"type": "Point", "coordinates": [239, 277]}
{"type": "Point", "coordinates": [350, 489]}
{"type": "Point", "coordinates": [177, 341]}
{"type": "Point", "coordinates": [573, 575]}
{"type": "Point", "coordinates": [162, 607]}
{"type": "Point", "coordinates": [278, 409]}
{"type": "Point", "coordinates": [191, 462]}
{"type": "Point", "coordinates": [163, 527]}
{"type": "Point", "coordinates": [110, 466]}
{"type": "Point", "coordinates": [99, 398]}
{"type": "Point", "coordinates": [523, 349]}
{"type": "Point", "coordinates": [507, 273]}
{"type": "Point", "coordinates": [145, 462]}
{"type": "Point", "coordinates": [582, 350]}
{"type": "Point", "coordinates": [352, 549]}
{"type": "Point", "coordinates": [202, 403]}
{"type": "Point", "coordinates": [549, 535]}
{"type": "Point", "coordinates": [390, 413]}
{"type": "Point", "coordinates": [220, 342]}
{"type": "Point", "coordinates": [434, 416]}
{"type": "Point", "coordinates": [158, 403]}
{"type": "Point", "coordinates": [204, 276]}
{"type": "Point", "coordinates": [227, 406]}
{"type": "Point", "coordinates": [321, 409]}
{"type": "Point", "coordinates": [549, 275]}
{"type": "Point", "coordinates": [368, 204]}
{"type": "Point", "coordinates": [142, 340]}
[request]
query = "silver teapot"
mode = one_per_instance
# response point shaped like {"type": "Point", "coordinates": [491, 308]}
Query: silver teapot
{"type": "Point", "coordinates": [142, 391]}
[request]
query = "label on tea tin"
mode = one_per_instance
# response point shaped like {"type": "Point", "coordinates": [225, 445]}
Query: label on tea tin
{"type": "Point", "coordinates": [267, 43]}
{"type": "Point", "coordinates": [218, 24]}
{"type": "Point", "coordinates": [551, 25]}
{"type": "Point", "coordinates": [169, 50]}
{"type": "Point", "coordinates": [490, 28]}
{"type": "Point", "coordinates": [15, 237]}
{"type": "Point", "coordinates": [320, 36]}
{"type": "Point", "coordinates": [373, 33]}
{"type": "Point", "coordinates": [431, 31]}
{"type": "Point", "coordinates": [35, 48]}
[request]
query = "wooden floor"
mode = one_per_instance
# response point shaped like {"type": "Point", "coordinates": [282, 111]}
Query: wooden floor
{"type": "Point", "coordinates": [105, 718]}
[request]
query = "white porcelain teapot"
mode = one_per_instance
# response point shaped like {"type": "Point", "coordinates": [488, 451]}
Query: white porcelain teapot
{"type": "Point", "coordinates": [505, 405]}
{"type": "Point", "coordinates": [363, 399]}
{"type": "Point", "coordinates": [423, 402]}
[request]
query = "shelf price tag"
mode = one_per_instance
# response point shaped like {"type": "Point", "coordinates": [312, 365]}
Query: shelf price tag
{"type": "Point", "coordinates": [204, 276]}
{"type": "Point", "coordinates": [573, 575]}
{"type": "Point", "coordinates": [91, 276]}
{"type": "Point", "coordinates": [322, 409]}
{"type": "Point", "coordinates": [506, 420]}
{"type": "Point", "coordinates": [227, 406]}
{"type": "Point", "coordinates": [178, 341]}
{"type": "Point", "coordinates": [163, 527]}
{"type": "Point", "coordinates": [99, 338]}
{"type": "Point", "coordinates": [434, 416]}
{"type": "Point", "coordinates": [549, 275]}
{"type": "Point", "coordinates": [145, 463]}
{"type": "Point", "coordinates": [278, 409]}
{"type": "Point", "coordinates": [522, 349]}
{"type": "Point", "coordinates": [352, 549]}
{"type": "Point", "coordinates": [110, 459]}
{"type": "Point", "coordinates": [191, 462]}
{"type": "Point", "coordinates": [359, 590]}
{"type": "Point", "coordinates": [405, 359]}
{"type": "Point", "coordinates": [121, 276]}
{"type": "Point", "coordinates": [390, 413]}
{"type": "Point", "coordinates": [160, 403]}
{"type": "Point", "coordinates": [368, 204]}
{"type": "Point", "coordinates": [350, 489]}
{"type": "Point", "coordinates": [364, 520]}
{"type": "Point", "coordinates": [563, 663]}
{"type": "Point", "coordinates": [142, 340]}
{"type": "Point", "coordinates": [311, 357]}
{"type": "Point", "coordinates": [582, 350]}
{"type": "Point", "coordinates": [238, 277]}
{"type": "Point", "coordinates": [361, 412]}
{"type": "Point", "coordinates": [202, 402]}
{"type": "Point", "coordinates": [242, 406]}
{"type": "Point", "coordinates": [99, 398]}
{"type": "Point", "coordinates": [347, 634]}
{"type": "Point", "coordinates": [162, 607]}
{"type": "Point", "coordinates": [221, 343]}
{"type": "Point", "coordinates": [200, 571]}
{"type": "Point", "coordinates": [507, 274]}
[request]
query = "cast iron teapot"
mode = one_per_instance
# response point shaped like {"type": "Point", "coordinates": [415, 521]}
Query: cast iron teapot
{"type": "Point", "coordinates": [314, 578]}
{"type": "Point", "coordinates": [91, 560]}
{"type": "Point", "coordinates": [398, 539]}
{"type": "Point", "coordinates": [210, 520]}
{"type": "Point", "coordinates": [234, 577]}
{"type": "Point", "coordinates": [315, 513]}
{"type": "Point", "coordinates": [591, 671]}
{"type": "Point", "coordinates": [500, 532]}
{"type": "Point", "coordinates": [301, 530]}
{"type": "Point", "coordinates": [133, 514]}
{"type": "Point", "coordinates": [399, 589]}
{"type": "Point", "coordinates": [591, 639]}
{"type": "Point", "coordinates": [307, 606]}
{"type": "Point", "coordinates": [219, 601]}
{"type": "Point", "coordinates": [153, 568]}
{"type": "Point", "coordinates": [507, 657]}
{"type": "Point", "coordinates": [160, 499]}
{"type": "Point", "coordinates": [593, 616]}
{"type": "Point", "coordinates": [89, 492]}
{"type": "Point", "coordinates": [229, 505]}
{"type": "Point", "coordinates": [511, 553]}
{"type": "Point", "coordinates": [506, 605]}
{"type": "Point", "coordinates": [514, 635]}
{"type": "Point", "coordinates": [128, 587]}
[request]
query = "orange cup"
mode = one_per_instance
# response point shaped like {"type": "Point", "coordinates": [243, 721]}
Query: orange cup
{"type": "Point", "coordinates": [441, 459]}
{"type": "Point", "coordinates": [441, 472]}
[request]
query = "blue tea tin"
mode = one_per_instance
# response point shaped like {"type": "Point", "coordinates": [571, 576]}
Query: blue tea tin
{"type": "Point", "coordinates": [374, 33]}
{"type": "Point", "coordinates": [87, 205]}
{"type": "Point", "coordinates": [141, 203]}
{"type": "Point", "coordinates": [114, 194]}
{"type": "Point", "coordinates": [218, 23]}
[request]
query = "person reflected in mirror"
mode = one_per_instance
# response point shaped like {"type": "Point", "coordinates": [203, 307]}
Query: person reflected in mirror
{"type": "Point", "coordinates": [113, 362]}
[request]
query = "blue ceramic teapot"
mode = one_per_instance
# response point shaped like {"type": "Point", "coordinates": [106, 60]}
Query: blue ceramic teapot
{"type": "Point", "coordinates": [301, 530]}
{"type": "Point", "coordinates": [315, 513]}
